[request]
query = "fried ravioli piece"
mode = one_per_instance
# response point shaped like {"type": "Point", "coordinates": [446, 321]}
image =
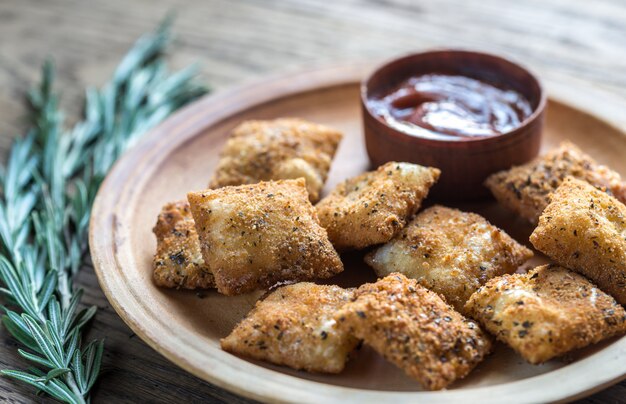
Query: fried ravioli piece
{"type": "Point", "coordinates": [294, 326]}
{"type": "Point", "coordinates": [546, 312]}
{"type": "Point", "coordinates": [286, 148]}
{"type": "Point", "coordinates": [373, 207]}
{"type": "Point", "coordinates": [450, 252]}
{"type": "Point", "coordinates": [253, 236]}
{"type": "Point", "coordinates": [584, 229]}
{"type": "Point", "coordinates": [525, 189]}
{"type": "Point", "coordinates": [416, 330]}
{"type": "Point", "coordinates": [178, 261]}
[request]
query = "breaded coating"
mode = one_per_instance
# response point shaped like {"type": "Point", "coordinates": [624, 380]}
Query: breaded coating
{"type": "Point", "coordinates": [450, 252]}
{"type": "Point", "coordinates": [525, 189]}
{"type": "Point", "coordinates": [416, 330]}
{"type": "Point", "coordinates": [584, 229]}
{"type": "Point", "coordinates": [286, 148]}
{"type": "Point", "coordinates": [546, 312]}
{"type": "Point", "coordinates": [253, 236]}
{"type": "Point", "coordinates": [294, 326]}
{"type": "Point", "coordinates": [373, 207]}
{"type": "Point", "coordinates": [178, 261]}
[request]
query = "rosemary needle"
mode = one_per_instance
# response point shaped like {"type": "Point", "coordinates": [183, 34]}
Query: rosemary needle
{"type": "Point", "coordinates": [47, 189]}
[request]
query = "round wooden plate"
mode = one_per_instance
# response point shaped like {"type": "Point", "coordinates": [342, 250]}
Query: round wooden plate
{"type": "Point", "coordinates": [179, 156]}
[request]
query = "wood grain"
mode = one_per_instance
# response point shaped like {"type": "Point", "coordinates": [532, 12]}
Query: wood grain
{"type": "Point", "coordinates": [235, 41]}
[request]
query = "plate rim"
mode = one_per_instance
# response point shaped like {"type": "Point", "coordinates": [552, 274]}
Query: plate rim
{"type": "Point", "coordinates": [237, 375]}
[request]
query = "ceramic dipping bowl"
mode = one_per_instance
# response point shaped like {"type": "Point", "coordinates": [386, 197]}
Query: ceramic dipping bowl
{"type": "Point", "coordinates": [465, 163]}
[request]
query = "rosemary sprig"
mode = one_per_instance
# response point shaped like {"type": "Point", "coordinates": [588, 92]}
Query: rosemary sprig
{"type": "Point", "coordinates": [48, 186]}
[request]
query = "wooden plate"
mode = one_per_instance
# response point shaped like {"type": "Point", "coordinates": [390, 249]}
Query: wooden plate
{"type": "Point", "coordinates": [179, 156]}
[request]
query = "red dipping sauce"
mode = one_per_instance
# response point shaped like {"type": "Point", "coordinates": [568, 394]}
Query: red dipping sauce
{"type": "Point", "coordinates": [446, 107]}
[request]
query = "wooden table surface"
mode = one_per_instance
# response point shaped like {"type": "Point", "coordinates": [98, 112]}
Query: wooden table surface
{"type": "Point", "coordinates": [582, 42]}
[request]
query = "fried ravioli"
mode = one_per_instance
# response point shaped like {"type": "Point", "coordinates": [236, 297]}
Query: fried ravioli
{"type": "Point", "coordinates": [416, 330]}
{"type": "Point", "coordinates": [285, 148]}
{"type": "Point", "coordinates": [525, 189]}
{"type": "Point", "coordinates": [373, 207]}
{"type": "Point", "coordinates": [450, 252]}
{"type": "Point", "coordinates": [294, 326]}
{"type": "Point", "coordinates": [178, 261]}
{"type": "Point", "coordinates": [253, 236]}
{"type": "Point", "coordinates": [584, 229]}
{"type": "Point", "coordinates": [547, 312]}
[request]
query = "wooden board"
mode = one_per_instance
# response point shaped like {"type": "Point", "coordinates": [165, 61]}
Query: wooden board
{"type": "Point", "coordinates": [180, 155]}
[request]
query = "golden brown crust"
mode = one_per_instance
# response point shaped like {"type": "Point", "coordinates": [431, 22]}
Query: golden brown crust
{"type": "Point", "coordinates": [450, 252]}
{"type": "Point", "coordinates": [547, 312]}
{"type": "Point", "coordinates": [373, 207]}
{"type": "Point", "coordinates": [178, 261]}
{"type": "Point", "coordinates": [525, 189]}
{"type": "Point", "coordinates": [253, 236]}
{"type": "Point", "coordinates": [584, 229]}
{"type": "Point", "coordinates": [294, 326]}
{"type": "Point", "coordinates": [286, 148]}
{"type": "Point", "coordinates": [416, 330]}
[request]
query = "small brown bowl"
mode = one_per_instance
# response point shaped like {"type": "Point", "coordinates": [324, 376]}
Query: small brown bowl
{"type": "Point", "coordinates": [466, 163]}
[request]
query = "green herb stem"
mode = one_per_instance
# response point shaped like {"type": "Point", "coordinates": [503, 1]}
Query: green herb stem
{"type": "Point", "coordinates": [48, 186]}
